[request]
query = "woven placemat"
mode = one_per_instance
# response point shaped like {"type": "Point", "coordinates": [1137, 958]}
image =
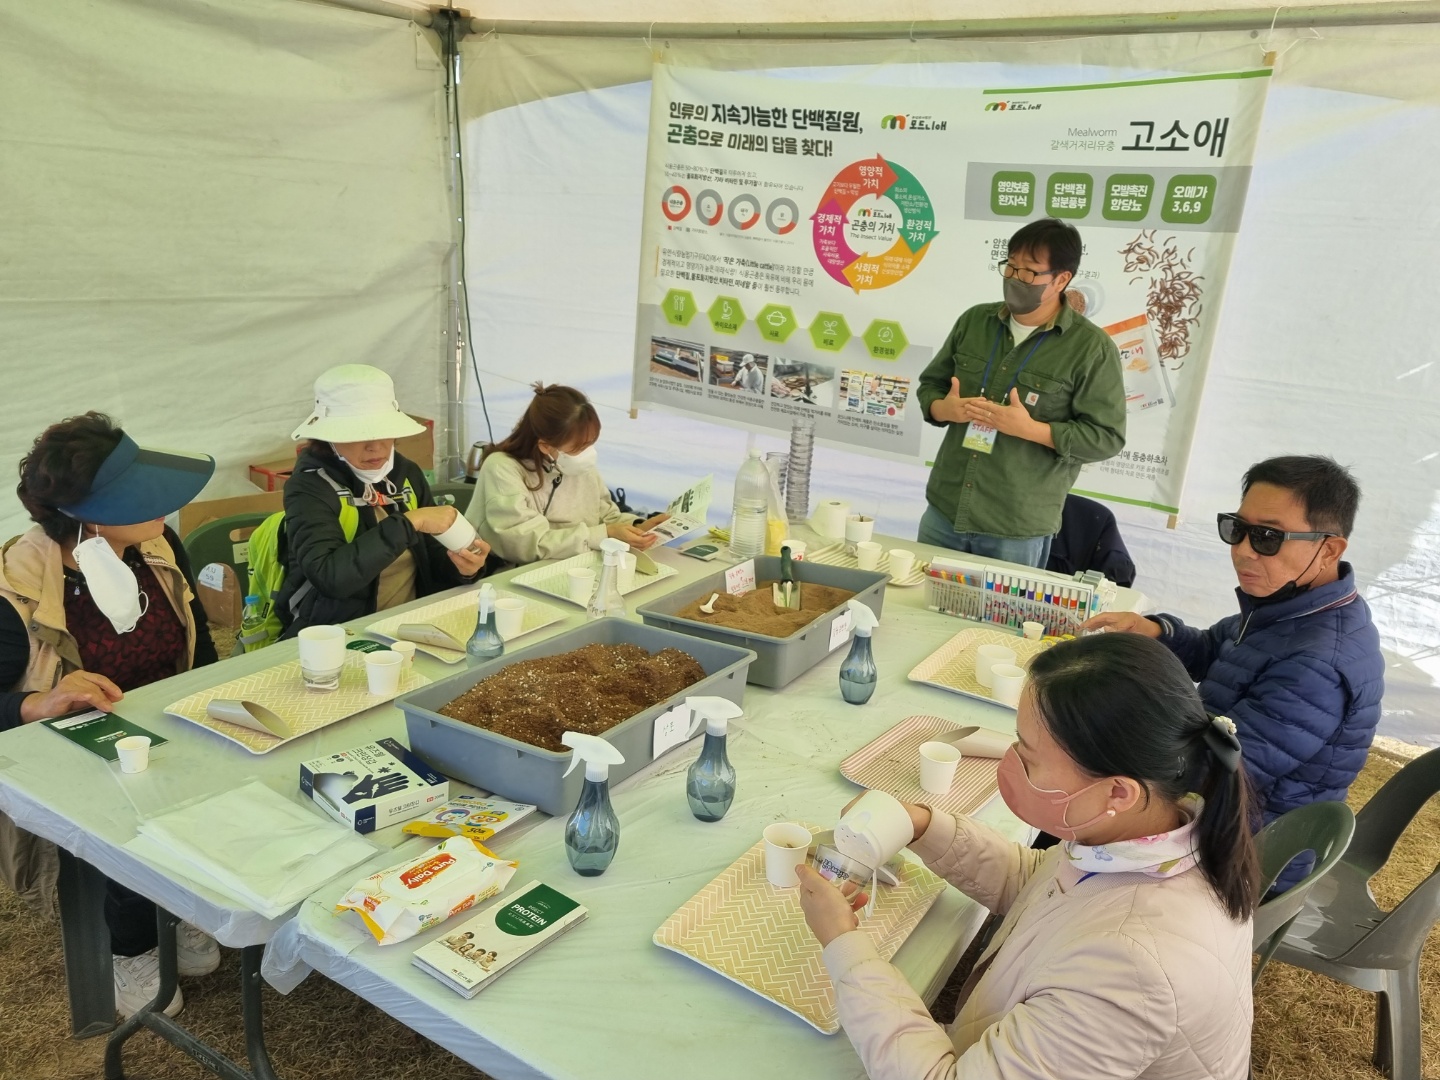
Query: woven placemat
{"type": "Point", "coordinates": [553, 579]}
{"type": "Point", "coordinates": [952, 666]}
{"type": "Point", "coordinates": [891, 763]}
{"type": "Point", "coordinates": [841, 555]}
{"type": "Point", "coordinates": [456, 616]}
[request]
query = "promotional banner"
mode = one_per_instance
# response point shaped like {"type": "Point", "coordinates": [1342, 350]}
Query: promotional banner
{"type": "Point", "coordinates": [808, 246]}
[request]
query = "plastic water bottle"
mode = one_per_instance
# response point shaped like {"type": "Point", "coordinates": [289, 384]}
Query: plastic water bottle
{"type": "Point", "coordinates": [797, 468]}
{"type": "Point", "coordinates": [252, 623]}
{"type": "Point", "coordinates": [485, 643]}
{"type": "Point", "coordinates": [858, 674]}
{"type": "Point", "coordinates": [592, 834]}
{"type": "Point", "coordinates": [749, 510]}
{"type": "Point", "coordinates": [710, 783]}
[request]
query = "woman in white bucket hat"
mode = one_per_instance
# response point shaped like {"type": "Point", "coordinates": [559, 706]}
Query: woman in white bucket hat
{"type": "Point", "coordinates": [362, 531]}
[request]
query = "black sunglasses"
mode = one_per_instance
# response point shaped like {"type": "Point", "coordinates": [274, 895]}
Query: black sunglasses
{"type": "Point", "coordinates": [1263, 539]}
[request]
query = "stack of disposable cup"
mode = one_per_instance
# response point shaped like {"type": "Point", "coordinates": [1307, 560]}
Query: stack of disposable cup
{"type": "Point", "coordinates": [797, 477]}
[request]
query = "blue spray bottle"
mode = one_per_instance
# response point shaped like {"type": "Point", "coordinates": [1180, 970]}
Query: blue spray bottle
{"type": "Point", "coordinates": [592, 834]}
{"type": "Point", "coordinates": [710, 784]}
{"type": "Point", "coordinates": [485, 643]}
{"type": "Point", "coordinates": [857, 673]}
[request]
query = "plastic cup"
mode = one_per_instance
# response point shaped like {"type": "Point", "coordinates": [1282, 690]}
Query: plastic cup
{"type": "Point", "coordinates": [459, 536]}
{"type": "Point", "coordinates": [1034, 630]}
{"type": "Point", "coordinates": [1008, 680]}
{"type": "Point", "coordinates": [797, 549]}
{"type": "Point", "coordinates": [510, 616]}
{"type": "Point", "coordinates": [382, 672]}
{"type": "Point", "coordinates": [580, 584]}
{"type": "Point", "coordinates": [625, 579]}
{"type": "Point", "coordinates": [831, 864]}
{"type": "Point", "coordinates": [986, 657]}
{"type": "Point", "coordinates": [406, 649]}
{"type": "Point", "coordinates": [322, 657]}
{"type": "Point", "coordinates": [786, 846]}
{"type": "Point", "coordinates": [901, 563]}
{"type": "Point", "coordinates": [134, 753]}
{"type": "Point", "coordinates": [859, 528]}
{"type": "Point", "coordinates": [867, 554]}
{"type": "Point", "coordinates": [938, 762]}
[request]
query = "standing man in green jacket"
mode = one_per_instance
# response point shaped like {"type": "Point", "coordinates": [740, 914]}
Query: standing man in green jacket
{"type": "Point", "coordinates": [1028, 391]}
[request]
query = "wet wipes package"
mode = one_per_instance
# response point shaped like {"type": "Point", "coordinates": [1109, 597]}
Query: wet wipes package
{"type": "Point", "coordinates": [372, 786]}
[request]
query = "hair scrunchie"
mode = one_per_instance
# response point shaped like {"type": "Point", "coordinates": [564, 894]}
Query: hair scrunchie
{"type": "Point", "coordinates": [1222, 741]}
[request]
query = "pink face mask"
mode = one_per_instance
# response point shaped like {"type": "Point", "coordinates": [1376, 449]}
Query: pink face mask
{"type": "Point", "coordinates": [1044, 808]}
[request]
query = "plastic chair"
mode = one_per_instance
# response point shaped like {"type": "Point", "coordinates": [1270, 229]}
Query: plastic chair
{"type": "Point", "coordinates": [1324, 828]}
{"type": "Point", "coordinates": [211, 543]}
{"type": "Point", "coordinates": [1342, 933]}
{"type": "Point", "coordinates": [459, 492]}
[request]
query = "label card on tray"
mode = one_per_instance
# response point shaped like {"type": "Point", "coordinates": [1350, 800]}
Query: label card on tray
{"type": "Point", "coordinates": [672, 729]}
{"type": "Point", "coordinates": [740, 580]}
{"type": "Point", "coordinates": [840, 629]}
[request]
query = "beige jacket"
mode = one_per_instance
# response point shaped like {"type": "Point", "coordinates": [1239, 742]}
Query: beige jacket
{"type": "Point", "coordinates": [523, 525]}
{"type": "Point", "coordinates": [1118, 975]}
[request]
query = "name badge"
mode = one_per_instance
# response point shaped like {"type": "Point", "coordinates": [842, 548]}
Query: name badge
{"type": "Point", "coordinates": [980, 437]}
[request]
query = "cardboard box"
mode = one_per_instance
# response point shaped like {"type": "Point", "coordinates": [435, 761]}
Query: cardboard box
{"type": "Point", "coordinates": [201, 513]}
{"type": "Point", "coordinates": [373, 786]}
{"type": "Point", "coordinates": [271, 475]}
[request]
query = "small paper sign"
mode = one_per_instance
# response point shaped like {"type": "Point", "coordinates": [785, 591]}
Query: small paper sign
{"type": "Point", "coordinates": [741, 579]}
{"type": "Point", "coordinates": [212, 576]}
{"type": "Point", "coordinates": [840, 629]}
{"type": "Point", "coordinates": [671, 730]}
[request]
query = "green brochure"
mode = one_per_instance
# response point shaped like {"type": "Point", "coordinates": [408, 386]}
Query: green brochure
{"type": "Point", "coordinates": [98, 732]}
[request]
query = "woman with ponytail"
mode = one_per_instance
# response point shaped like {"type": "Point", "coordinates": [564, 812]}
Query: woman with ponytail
{"type": "Point", "coordinates": [1125, 951]}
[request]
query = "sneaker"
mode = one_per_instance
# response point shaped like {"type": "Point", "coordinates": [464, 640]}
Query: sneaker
{"type": "Point", "coordinates": [137, 981]}
{"type": "Point", "coordinates": [196, 951]}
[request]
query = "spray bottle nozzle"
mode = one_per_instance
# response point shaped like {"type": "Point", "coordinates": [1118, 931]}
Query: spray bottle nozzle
{"type": "Point", "coordinates": [716, 712]}
{"type": "Point", "coordinates": [597, 753]}
{"type": "Point", "coordinates": [612, 549]}
{"type": "Point", "coordinates": [863, 619]}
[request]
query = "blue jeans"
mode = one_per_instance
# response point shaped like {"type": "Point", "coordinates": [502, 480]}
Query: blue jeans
{"type": "Point", "coordinates": [1021, 550]}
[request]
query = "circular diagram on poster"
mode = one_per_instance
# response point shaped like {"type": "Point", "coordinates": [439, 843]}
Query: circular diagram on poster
{"type": "Point", "coordinates": [709, 207]}
{"type": "Point", "coordinates": [675, 202]}
{"type": "Point", "coordinates": [744, 211]}
{"type": "Point", "coordinates": [873, 225]}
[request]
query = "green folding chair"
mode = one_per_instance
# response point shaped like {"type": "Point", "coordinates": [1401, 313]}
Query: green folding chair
{"type": "Point", "coordinates": [213, 543]}
{"type": "Point", "coordinates": [1324, 828]}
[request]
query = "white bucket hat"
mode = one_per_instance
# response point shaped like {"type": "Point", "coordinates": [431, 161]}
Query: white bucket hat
{"type": "Point", "coordinates": [354, 403]}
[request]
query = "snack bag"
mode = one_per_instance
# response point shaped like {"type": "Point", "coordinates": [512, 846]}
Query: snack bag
{"type": "Point", "coordinates": [469, 815]}
{"type": "Point", "coordinates": [410, 897]}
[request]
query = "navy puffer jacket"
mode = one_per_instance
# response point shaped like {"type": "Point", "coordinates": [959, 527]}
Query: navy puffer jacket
{"type": "Point", "coordinates": [1302, 679]}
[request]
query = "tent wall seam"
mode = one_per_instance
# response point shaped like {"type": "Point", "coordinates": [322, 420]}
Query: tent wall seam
{"type": "Point", "coordinates": [383, 7]}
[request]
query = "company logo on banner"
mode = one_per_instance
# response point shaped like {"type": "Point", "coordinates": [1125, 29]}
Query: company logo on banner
{"type": "Point", "coordinates": [799, 262]}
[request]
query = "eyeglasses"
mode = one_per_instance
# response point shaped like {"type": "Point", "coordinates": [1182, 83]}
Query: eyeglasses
{"type": "Point", "coordinates": [1265, 540]}
{"type": "Point", "coordinates": [1021, 274]}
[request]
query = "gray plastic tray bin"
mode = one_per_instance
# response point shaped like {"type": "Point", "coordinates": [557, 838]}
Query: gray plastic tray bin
{"type": "Point", "coordinates": [525, 773]}
{"type": "Point", "coordinates": [777, 660]}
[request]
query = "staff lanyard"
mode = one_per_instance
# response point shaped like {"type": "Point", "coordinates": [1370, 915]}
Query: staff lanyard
{"type": "Point", "coordinates": [985, 379]}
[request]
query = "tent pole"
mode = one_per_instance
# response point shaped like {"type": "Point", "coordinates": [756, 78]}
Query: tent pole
{"type": "Point", "coordinates": [1362, 14]}
{"type": "Point", "coordinates": [451, 27]}
{"type": "Point", "coordinates": [383, 7]}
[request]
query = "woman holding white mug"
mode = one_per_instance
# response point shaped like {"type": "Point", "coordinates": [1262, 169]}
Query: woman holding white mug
{"type": "Point", "coordinates": [1125, 952]}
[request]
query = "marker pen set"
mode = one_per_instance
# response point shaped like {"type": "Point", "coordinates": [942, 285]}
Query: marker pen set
{"type": "Point", "coordinates": [985, 594]}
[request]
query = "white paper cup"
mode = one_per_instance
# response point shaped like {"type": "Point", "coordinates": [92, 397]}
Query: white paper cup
{"type": "Point", "coordinates": [1034, 630]}
{"type": "Point", "coordinates": [580, 584]}
{"type": "Point", "coordinates": [322, 656]}
{"type": "Point", "coordinates": [459, 536]}
{"type": "Point", "coordinates": [875, 829]}
{"type": "Point", "coordinates": [786, 847]}
{"type": "Point", "coordinates": [938, 762]}
{"type": "Point", "coordinates": [1007, 682]}
{"type": "Point", "coordinates": [134, 753]}
{"type": "Point", "coordinates": [625, 579]}
{"type": "Point", "coordinates": [859, 528]}
{"type": "Point", "coordinates": [406, 649]}
{"type": "Point", "coordinates": [986, 657]}
{"type": "Point", "coordinates": [901, 563]}
{"type": "Point", "coordinates": [382, 672]}
{"type": "Point", "coordinates": [510, 616]}
{"type": "Point", "coordinates": [867, 554]}
{"type": "Point", "coordinates": [797, 549]}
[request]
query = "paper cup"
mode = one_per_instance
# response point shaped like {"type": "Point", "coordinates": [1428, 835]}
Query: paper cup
{"type": "Point", "coordinates": [797, 549]}
{"type": "Point", "coordinates": [459, 536]}
{"type": "Point", "coordinates": [986, 657]}
{"type": "Point", "coordinates": [875, 829]}
{"type": "Point", "coordinates": [901, 563]}
{"type": "Point", "coordinates": [382, 671]}
{"type": "Point", "coordinates": [322, 656]}
{"type": "Point", "coordinates": [867, 554]}
{"type": "Point", "coordinates": [625, 579]}
{"type": "Point", "coordinates": [580, 584]}
{"type": "Point", "coordinates": [858, 528]}
{"type": "Point", "coordinates": [1034, 630]}
{"type": "Point", "coordinates": [406, 649]}
{"type": "Point", "coordinates": [938, 762]}
{"type": "Point", "coordinates": [510, 616]}
{"type": "Point", "coordinates": [134, 753]}
{"type": "Point", "coordinates": [1007, 682]}
{"type": "Point", "coordinates": [786, 847]}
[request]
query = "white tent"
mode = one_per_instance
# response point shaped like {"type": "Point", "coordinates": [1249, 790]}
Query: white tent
{"type": "Point", "coordinates": [210, 201]}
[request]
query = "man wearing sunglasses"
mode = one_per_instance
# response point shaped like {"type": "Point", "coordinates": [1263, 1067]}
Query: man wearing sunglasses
{"type": "Point", "coordinates": [1299, 669]}
{"type": "Point", "coordinates": [1027, 391]}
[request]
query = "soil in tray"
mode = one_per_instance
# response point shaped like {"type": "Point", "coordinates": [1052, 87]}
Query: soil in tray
{"type": "Point", "coordinates": [756, 613]}
{"type": "Point", "coordinates": [590, 689]}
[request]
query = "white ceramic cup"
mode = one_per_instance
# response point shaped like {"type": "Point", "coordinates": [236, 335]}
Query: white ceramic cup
{"type": "Point", "coordinates": [797, 549]}
{"type": "Point", "coordinates": [938, 762]}
{"type": "Point", "coordinates": [875, 829]}
{"type": "Point", "coordinates": [1007, 682]}
{"type": "Point", "coordinates": [459, 536]}
{"type": "Point", "coordinates": [1034, 630]}
{"type": "Point", "coordinates": [510, 616]}
{"type": "Point", "coordinates": [322, 657]}
{"type": "Point", "coordinates": [859, 528]}
{"type": "Point", "coordinates": [406, 649]}
{"type": "Point", "coordinates": [134, 753]}
{"type": "Point", "coordinates": [580, 584]}
{"type": "Point", "coordinates": [625, 578]}
{"type": "Point", "coordinates": [986, 657]}
{"type": "Point", "coordinates": [786, 846]}
{"type": "Point", "coordinates": [901, 563]}
{"type": "Point", "coordinates": [382, 672]}
{"type": "Point", "coordinates": [867, 554]}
